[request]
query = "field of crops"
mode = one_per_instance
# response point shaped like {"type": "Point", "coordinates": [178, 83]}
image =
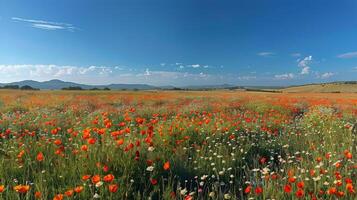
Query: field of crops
{"type": "Point", "coordinates": [177, 145]}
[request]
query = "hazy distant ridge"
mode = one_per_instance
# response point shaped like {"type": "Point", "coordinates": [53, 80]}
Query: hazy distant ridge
{"type": "Point", "coordinates": [58, 84]}
{"type": "Point", "coordinates": [343, 86]}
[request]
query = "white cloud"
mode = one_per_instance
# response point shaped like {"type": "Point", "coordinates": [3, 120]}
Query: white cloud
{"type": "Point", "coordinates": [246, 78]}
{"type": "Point", "coordinates": [304, 64]}
{"type": "Point", "coordinates": [266, 54]}
{"type": "Point", "coordinates": [202, 75]}
{"type": "Point", "coordinates": [305, 70]}
{"type": "Point", "coordinates": [46, 25]}
{"type": "Point", "coordinates": [295, 54]}
{"type": "Point", "coordinates": [327, 75]}
{"type": "Point", "coordinates": [45, 72]}
{"type": "Point", "coordinates": [147, 72]}
{"type": "Point", "coordinates": [119, 68]}
{"type": "Point", "coordinates": [284, 76]}
{"type": "Point", "coordinates": [348, 55]}
{"type": "Point", "coordinates": [115, 74]}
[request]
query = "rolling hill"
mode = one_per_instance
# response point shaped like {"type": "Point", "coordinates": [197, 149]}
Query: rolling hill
{"type": "Point", "coordinates": [333, 87]}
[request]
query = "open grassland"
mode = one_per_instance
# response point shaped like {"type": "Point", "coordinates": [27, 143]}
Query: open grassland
{"type": "Point", "coordinates": [177, 145]}
{"type": "Point", "coordinates": [324, 88]}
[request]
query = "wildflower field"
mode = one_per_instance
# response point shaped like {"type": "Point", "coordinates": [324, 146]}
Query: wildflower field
{"type": "Point", "coordinates": [177, 145]}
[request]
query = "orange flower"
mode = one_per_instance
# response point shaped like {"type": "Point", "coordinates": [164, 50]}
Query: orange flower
{"type": "Point", "coordinates": [86, 177]}
{"type": "Point", "coordinates": [22, 188]}
{"type": "Point", "coordinates": [292, 179]}
{"type": "Point", "coordinates": [38, 195]}
{"type": "Point", "coordinates": [120, 141]}
{"type": "Point", "coordinates": [22, 152]}
{"type": "Point", "coordinates": [167, 165]}
{"type": "Point", "coordinates": [113, 188]}
{"type": "Point", "coordinates": [78, 189]}
{"type": "Point", "coordinates": [40, 157]}
{"type": "Point", "coordinates": [84, 147]}
{"type": "Point", "coordinates": [348, 155]}
{"type": "Point", "coordinates": [2, 188]}
{"type": "Point", "coordinates": [57, 142]}
{"type": "Point", "coordinates": [331, 191]}
{"type": "Point", "coordinates": [349, 187]}
{"type": "Point", "coordinates": [95, 179]}
{"type": "Point", "coordinates": [58, 197]}
{"type": "Point", "coordinates": [69, 193]}
{"type": "Point", "coordinates": [108, 178]}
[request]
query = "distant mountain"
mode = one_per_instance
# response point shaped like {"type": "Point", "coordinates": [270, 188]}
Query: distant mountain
{"type": "Point", "coordinates": [199, 87]}
{"type": "Point", "coordinates": [56, 84]}
{"type": "Point", "coordinates": [59, 84]}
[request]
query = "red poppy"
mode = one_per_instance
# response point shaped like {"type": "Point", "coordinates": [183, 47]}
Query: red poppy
{"type": "Point", "coordinates": [40, 157]}
{"type": "Point", "coordinates": [108, 178]}
{"type": "Point", "coordinates": [38, 195]}
{"type": "Point", "coordinates": [300, 184]}
{"type": "Point", "coordinates": [167, 165]}
{"type": "Point", "coordinates": [22, 188]}
{"type": "Point", "coordinates": [69, 193]}
{"type": "Point", "coordinates": [86, 177]}
{"type": "Point", "coordinates": [292, 180]}
{"type": "Point", "coordinates": [299, 193]}
{"type": "Point", "coordinates": [2, 188]}
{"type": "Point", "coordinates": [247, 189]}
{"type": "Point", "coordinates": [153, 181]}
{"type": "Point", "coordinates": [58, 197]}
{"type": "Point", "coordinates": [120, 141]}
{"type": "Point", "coordinates": [287, 188]}
{"type": "Point", "coordinates": [78, 189]}
{"type": "Point", "coordinates": [95, 179]}
{"type": "Point", "coordinates": [113, 188]}
{"type": "Point", "coordinates": [258, 190]}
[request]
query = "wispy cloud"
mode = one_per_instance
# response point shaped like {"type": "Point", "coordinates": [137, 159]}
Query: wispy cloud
{"type": "Point", "coordinates": [147, 72]}
{"type": "Point", "coordinates": [295, 54]}
{"type": "Point", "coordinates": [246, 78]}
{"type": "Point", "coordinates": [304, 64]}
{"type": "Point", "coordinates": [284, 76]}
{"type": "Point", "coordinates": [348, 55]}
{"type": "Point", "coordinates": [266, 54]}
{"type": "Point", "coordinates": [46, 25]}
{"type": "Point", "coordinates": [327, 75]}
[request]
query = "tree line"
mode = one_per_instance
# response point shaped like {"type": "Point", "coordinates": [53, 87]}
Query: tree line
{"type": "Point", "coordinates": [16, 87]}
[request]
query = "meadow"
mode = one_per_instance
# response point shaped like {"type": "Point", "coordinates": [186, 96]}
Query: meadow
{"type": "Point", "coordinates": [177, 145]}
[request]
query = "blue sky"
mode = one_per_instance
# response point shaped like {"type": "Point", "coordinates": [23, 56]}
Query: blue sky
{"type": "Point", "coordinates": [185, 42]}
